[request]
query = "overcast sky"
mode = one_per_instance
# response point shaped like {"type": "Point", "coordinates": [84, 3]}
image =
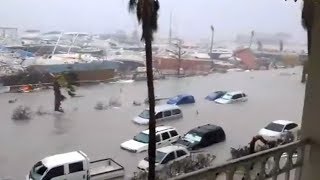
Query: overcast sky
{"type": "Point", "coordinates": [191, 18]}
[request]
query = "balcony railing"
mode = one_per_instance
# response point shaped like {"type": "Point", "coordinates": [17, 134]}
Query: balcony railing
{"type": "Point", "coordinates": [282, 163]}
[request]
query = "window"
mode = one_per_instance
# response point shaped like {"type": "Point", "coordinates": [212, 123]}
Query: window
{"type": "Point", "coordinates": [167, 114]}
{"type": "Point", "coordinates": [181, 153]}
{"type": "Point", "coordinates": [244, 95]}
{"type": "Point", "coordinates": [291, 126]}
{"type": "Point", "coordinates": [54, 172]}
{"type": "Point", "coordinates": [275, 127]}
{"type": "Point", "coordinates": [158, 139]}
{"type": "Point", "coordinates": [173, 133]}
{"type": "Point", "coordinates": [168, 158]}
{"type": "Point", "coordinates": [159, 115]}
{"type": "Point", "coordinates": [75, 167]}
{"type": "Point", "coordinates": [176, 111]}
{"type": "Point", "coordinates": [237, 96]}
{"type": "Point", "coordinates": [165, 136]}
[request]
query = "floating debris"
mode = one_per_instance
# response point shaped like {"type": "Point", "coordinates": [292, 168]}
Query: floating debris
{"type": "Point", "coordinates": [12, 101]}
{"type": "Point", "coordinates": [100, 106]}
{"type": "Point", "coordinates": [21, 113]}
{"type": "Point", "coordinates": [135, 103]}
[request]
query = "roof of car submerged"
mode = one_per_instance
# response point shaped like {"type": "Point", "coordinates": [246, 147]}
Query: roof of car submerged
{"type": "Point", "coordinates": [206, 128]}
{"type": "Point", "coordinates": [165, 107]}
{"type": "Point", "coordinates": [235, 92]}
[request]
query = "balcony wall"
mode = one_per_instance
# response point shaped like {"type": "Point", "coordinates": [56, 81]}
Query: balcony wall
{"type": "Point", "coordinates": [283, 163]}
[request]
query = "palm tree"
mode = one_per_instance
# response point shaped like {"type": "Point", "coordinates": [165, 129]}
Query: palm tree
{"type": "Point", "coordinates": [147, 15]}
{"type": "Point", "coordinates": [58, 82]}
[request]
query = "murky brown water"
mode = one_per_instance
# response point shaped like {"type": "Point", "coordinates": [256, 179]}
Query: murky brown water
{"type": "Point", "coordinates": [272, 95]}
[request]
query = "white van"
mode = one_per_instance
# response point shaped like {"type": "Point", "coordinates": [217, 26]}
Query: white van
{"type": "Point", "coordinates": [162, 112]}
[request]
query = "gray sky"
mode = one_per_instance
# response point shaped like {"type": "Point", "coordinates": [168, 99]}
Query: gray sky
{"type": "Point", "coordinates": [191, 18]}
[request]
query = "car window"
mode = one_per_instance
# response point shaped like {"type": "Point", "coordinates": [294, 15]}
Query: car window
{"type": "Point", "coordinates": [165, 136]}
{"type": "Point", "coordinates": [181, 153]}
{"type": "Point", "coordinates": [159, 115]}
{"type": "Point", "coordinates": [167, 114]}
{"type": "Point", "coordinates": [176, 111]}
{"type": "Point", "coordinates": [158, 139]}
{"type": "Point", "coordinates": [275, 127]}
{"type": "Point", "coordinates": [291, 126]}
{"type": "Point", "coordinates": [236, 96]}
{"type": "Point", "coordinates": [168, 158]}
{"type": "Point", "coordinates": [75, 167]}
{"type": "Point", "coordinates": [244, 95]}
{"type": "Point", "coordinates": [54, 172]}
{"type": "Point", "coordinates": [173, 133]}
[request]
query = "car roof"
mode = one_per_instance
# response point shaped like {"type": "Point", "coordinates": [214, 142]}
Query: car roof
{"type": "Point", "coordinates": [235, 92]}
{"type": "Point", "coordinates": [159, 129]}
{"type": "Point", "coordinates": [168, 149]}
{"type": "Point", "coordinates": [165, 107]}
{"type": "Point", "coordinates": [283, 122]}
{"type": "Point", "coordinates": [206, 128]}
{"type": "Point", "coordinates": [61, 159]}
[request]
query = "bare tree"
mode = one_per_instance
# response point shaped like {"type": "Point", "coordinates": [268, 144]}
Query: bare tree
{"type": "Point", "coordinates": [177, 53]}
{"type": "Point", "coordinates": [147, 15]}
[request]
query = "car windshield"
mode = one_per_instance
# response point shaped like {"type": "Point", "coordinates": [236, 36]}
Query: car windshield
{"type": "Point", "coordinates": [37, 171]}
{"type": "Point", "coordinates": [142, 137]}
{"type": "Point", "coordinates": [159, 156]}
{"type": "Point", "coordinates": [192, 137]}
{"type": "Point", "coordinates": [144, 114]}
{"type": "Point", "coordinates": [227, 97]}
{"type": "Point", "coordinates": [177, 98]}
{"type": "Point", "coordinates": [275, 127]}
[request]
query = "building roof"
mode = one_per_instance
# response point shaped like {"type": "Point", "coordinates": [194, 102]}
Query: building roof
{"type": "Point", "coordinates": [159, 129]}
{"type": "Point", "coordinates": [282, 122]}
{"type": "Point", "coordinates": [61, 159]}
{"type": "Point", "coordinates": [168, 149]}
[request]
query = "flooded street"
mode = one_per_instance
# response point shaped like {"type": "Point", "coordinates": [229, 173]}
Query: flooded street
{"type": "Point", "coordinates": [274, 94]}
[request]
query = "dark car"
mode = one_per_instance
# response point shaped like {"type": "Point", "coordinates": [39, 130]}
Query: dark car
{"type": "Point", "coordinates": [181, 99]}
{"type": "Point", "coordinates": [215, 95]}
{"type": "Point", "coordinates": [202, 136]}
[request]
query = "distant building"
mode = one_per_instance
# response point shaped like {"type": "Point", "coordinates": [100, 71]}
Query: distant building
{"type": "Point", "coordinates": [247, 57]}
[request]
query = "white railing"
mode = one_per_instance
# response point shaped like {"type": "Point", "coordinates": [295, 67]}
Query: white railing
{"type": "Point", "coordinates": [282, 163]}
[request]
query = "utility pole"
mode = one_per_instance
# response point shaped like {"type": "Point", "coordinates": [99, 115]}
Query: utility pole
{"type": "Point", "coordinates": [251, 39]}
{"type": "Point", "coordinates": [212, 36]}
{"type": "Point", "coordinates": [170, 29]}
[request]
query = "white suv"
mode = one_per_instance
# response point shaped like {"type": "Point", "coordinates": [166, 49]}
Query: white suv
{"type": "Point", "coordinates": [165, 135]}
{"type": "Point", "coordinates": [165, 155]}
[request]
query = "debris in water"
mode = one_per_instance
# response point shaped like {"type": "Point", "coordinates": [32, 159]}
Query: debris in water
{"type": "Point", "coordinates": [135, 103]}
{"type": "Point", "coordinates": [100, 106]}
{"type": "Point", "coordinates": [12, 101]}
{"type": "Point", "coordinates": [21, 113]}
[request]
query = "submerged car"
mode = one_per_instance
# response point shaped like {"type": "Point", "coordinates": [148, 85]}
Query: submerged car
{"type": "Point", "coordinates": [162, 112]}
{"type": "Point", "coordinates": [232, 97]}
{"type": "Point", "coordinates": [276, 129]}
{"type": "Point", "coordinates": [202, 136]}
{"type": "Point", "coordinates": [181, 99]}
{"type": "Point", "coordinates": [215, 95]}
{"type": "Point", "coordinates": [165, 135]}
{"type": "Point", "coordinates": [165, 155]}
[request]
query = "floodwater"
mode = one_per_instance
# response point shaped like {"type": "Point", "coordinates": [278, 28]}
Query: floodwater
{"type": "Point", "coordinates": [274, 94]}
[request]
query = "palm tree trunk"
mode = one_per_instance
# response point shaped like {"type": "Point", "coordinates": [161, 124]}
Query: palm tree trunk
{"type": "Point", "coordinates": [152, 121]}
